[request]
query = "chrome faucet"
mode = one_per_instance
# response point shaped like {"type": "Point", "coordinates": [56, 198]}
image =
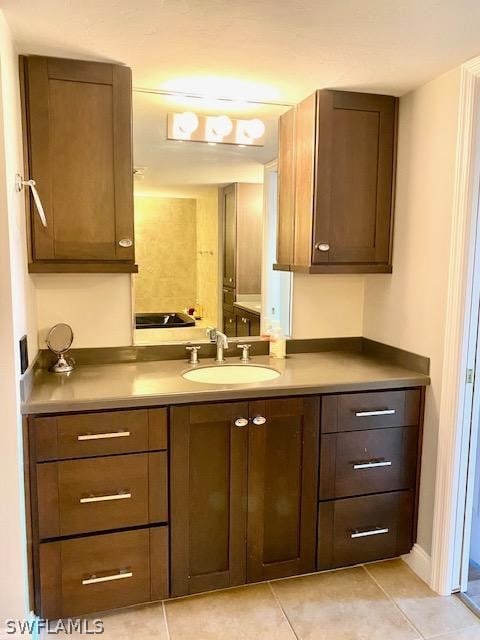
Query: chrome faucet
{"type": "Point", "coordinates": [221, 340]}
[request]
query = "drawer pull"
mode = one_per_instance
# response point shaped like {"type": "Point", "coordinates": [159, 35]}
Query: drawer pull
{"type": "Point", "coordinates": [378, 412]}
{"type": "Point", "coordinates": [115, 576]}
{"type": "Point", "coordinates": [363, 533]}
{"type": "Point", "coordinates": [121, 495]}
{"type": "Point", "coordinates": [103, 436]}
{"type": "Point", "coordinates": [259, 420]}
{"type": "Point", "coordinates": [372, 464]}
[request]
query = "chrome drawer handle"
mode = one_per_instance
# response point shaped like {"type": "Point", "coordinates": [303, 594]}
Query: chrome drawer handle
{"type": "Point", "coordinates": [357, 533]}
{"type": "Point", "coordinates": [372, 464]}
{"type": "Point", "coordinates": [241, 422]}
{"type": "Point", "coordinates": [103, 436]}
{"type": "Point", "coordinates": [322, 246]}
{"type": "Point", "coordinates": [259, 420]}
{"type": "Point", "coordinates": [115, 576]}
{"type": "Point", "coordinates": [378, 412]}
{"type": "Point", "coordinates": [121, 495]}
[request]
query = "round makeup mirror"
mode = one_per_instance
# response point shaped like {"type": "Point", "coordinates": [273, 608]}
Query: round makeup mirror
{"type": "Point", "coordinates": [59, 341]}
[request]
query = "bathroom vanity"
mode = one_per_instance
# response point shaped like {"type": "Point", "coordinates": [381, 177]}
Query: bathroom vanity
{"type": "Point", "coordinates": [144, 485]}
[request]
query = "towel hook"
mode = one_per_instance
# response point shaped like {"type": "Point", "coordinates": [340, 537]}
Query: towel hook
{"type": "Point", "coordinates": [20, 183]}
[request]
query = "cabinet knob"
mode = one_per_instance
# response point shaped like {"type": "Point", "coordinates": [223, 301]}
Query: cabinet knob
{"type": "Point", "coordinates": [259, 420]}
{"type": "Point", "coordinates": [322, 246]}
{"type": "Point", "coordinates": [125, 242]}
{"type": "Point", "coordinates": [241, 422]}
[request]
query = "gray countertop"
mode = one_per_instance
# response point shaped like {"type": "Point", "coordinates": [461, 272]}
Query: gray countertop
{"type": "Point", "coordinates": [249, 305]}
{"type": "Point", "coordinates": [143, 384]}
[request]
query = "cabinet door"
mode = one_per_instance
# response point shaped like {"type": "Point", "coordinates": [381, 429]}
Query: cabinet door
{"type": "Point", "coordinates": [282, 487]}
{"type": "Point", "coordinates": [355, 163]}
{"type": "Point", "coordinates": [286, 188]}
{"type": "Point", "coordinates": [255, 326]}
{"type": "Point", "coordinates": [229, 323]}
{"type": "Point", "coordinates": [78, 121]}
{"type": "Point", "coordinates": [242, 325]}
{"type": "Point", "coordinates": [229, 235]}
{"type": "Point", "coordinates": [208, 484]}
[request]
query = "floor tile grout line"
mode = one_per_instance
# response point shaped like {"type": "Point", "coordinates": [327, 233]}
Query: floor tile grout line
{"type": "Point", "coordinates": [447, 633]}
{"type": "Point", "coordinates": [277, 600]}
{"type": "Point", "coordinates": [414, 627]}
{"type": "Point", "coordinates": [165, 619]}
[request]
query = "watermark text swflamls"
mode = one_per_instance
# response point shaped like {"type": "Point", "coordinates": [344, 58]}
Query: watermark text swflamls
{"type": "Point", "coordinates": [53, 627]}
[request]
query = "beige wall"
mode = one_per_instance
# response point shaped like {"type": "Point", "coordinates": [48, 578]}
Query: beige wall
{"type": "Point", "coordinates": [407, 309]}
{"type": "Point", "coordinates": [166, 251]}
{"type": "Point", "coordinates": [326, 306]}
{"type": "Point", "coordinates": [208, 263]}
{"type": "Point", "coordinates": [97, 307]}
{"type": "Point", "coordinates": [17, 317]}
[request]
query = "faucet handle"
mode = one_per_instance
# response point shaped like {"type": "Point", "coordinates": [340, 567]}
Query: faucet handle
{"type": "Point", "coordinates": [211, 333]}
{"type": "Point", "coordinates": [245, 353]}
{"type": "Point", "coordinates": [193, 353]}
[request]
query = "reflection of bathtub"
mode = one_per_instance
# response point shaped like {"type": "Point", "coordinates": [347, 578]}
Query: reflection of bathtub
{"type": "Point", "coordinates": [163, 320]}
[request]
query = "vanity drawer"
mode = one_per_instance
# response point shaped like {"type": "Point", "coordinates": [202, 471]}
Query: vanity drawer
{"type": "Point", "coordinates": [102, 572]}
{"type": "Point", "coordinates": [84, 435]}
{"type": "Point", "coordinates": [354, 463]}
{"type": "Point", "coordinates": [364, 529]}
{"type": "Point", "coordinates": [352, 411]}
{"type": "Point", "coordinates": [81, 496]}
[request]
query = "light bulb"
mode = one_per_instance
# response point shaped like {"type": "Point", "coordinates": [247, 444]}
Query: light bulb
{"type": "Point", "coordinates": [221, 126]}
{"type": "Point", "coordinates": [254, 128]}
{"type": "Point", "coordinates": [187, 122]}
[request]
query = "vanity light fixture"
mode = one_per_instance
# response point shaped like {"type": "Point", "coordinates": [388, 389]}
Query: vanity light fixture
{"type": "Point", "coordinates": [215, 129]}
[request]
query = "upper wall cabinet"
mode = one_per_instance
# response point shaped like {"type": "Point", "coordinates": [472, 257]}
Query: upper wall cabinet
{"type": "Point", "coordinates": [336, 172]}
{"type": "Point", "coordinates": [78, 149]}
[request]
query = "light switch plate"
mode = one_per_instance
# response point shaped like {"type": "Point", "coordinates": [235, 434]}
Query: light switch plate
{"type": "Point", "coordinates": [23, 354]}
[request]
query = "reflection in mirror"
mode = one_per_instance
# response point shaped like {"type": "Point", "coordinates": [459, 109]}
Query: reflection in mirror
{"type": "Point", "coordinates": [205, 219]}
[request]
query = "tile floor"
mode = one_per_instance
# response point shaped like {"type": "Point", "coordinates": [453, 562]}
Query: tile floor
{"type": "Point", "coordinates": [382, 601]}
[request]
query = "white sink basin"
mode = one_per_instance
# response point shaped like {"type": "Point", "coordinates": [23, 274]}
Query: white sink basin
{"type": "Point", "coordinates": [231, 374]}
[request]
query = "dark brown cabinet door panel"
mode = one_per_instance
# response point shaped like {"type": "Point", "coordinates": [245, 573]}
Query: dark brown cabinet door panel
{"type": "Point", "coordinates": [229, 323]}
{"type": "Point", "coordinates": [282, 487]}
{"type": "Point", "coordinates": [208, 496]}
{"type": "Point", "coordinates": [78, 118]}
{"type": "Point", "coordinates": [373, 461]}
{"type": "Point", "coordinates": [354, 177]}
{"type": "Point", "coordinates": [229, 235]}
{"type": "Point", "coordinates": [344, 146]}
{"type": "Point", "coordinates": [364, 529]}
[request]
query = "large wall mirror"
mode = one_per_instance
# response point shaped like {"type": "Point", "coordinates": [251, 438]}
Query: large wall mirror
{"type": "Point", "coordinates": [205, 219]}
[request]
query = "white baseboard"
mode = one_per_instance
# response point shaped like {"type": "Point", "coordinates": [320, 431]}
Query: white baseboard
{"type": "Point", "coordinates": [420, 563]}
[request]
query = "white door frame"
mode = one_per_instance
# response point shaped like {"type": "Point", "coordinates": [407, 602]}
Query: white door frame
{"type": "Point", "coordinates": [459, 346]}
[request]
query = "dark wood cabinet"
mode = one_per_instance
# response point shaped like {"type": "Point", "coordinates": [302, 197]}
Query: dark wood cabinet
{"type": "Point", "coordinates": [370, 451]}
{"type": "Point", "coordinates": [338, 216]}
{"type": "Point", "coordinates": [78, 149]}
{"type": "Point", "coordinates": [247, 323]}
{"type": "Point", "coordinates": [98, 486]}
{"type": "Point", "coordinates": [132, 506]}
{"type": "Point", "coordinates": [214, 449]}
{"type": "Point", "coordinates": [242, 206]}
{"type": "Point", "coordinates": [229, 323]}
{"type": "Point", "coordinates": [208, 480]}
{"type": "Point", "coordinates": [282, 487]}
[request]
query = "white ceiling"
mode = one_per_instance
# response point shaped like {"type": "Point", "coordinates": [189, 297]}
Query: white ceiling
{"type": "Point", "coordinates": [278, 49]}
